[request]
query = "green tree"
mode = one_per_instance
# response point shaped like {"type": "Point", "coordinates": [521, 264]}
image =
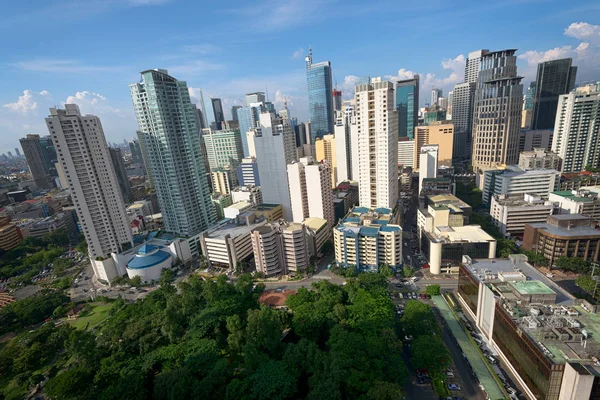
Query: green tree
{"type": "Point", "coordinates": [407, 271]}
{"type": "Point", "coordinates": [506, 247]}
{"type": "Point", "coordinates": [429, 352]}
{"type": "Point", "coordinates": [535, 259]}
{"type": "Point", "coordinates": [588, 284]}
{"type": "Point", "coordinates": [136, 281]}
{"type": "Point", "coordinates": [72, 384]}
{"type": "Point", "coordinates": [573, 264]}
{"type": "Point", "coordinates": [386, 270]}
{"type": "Point", "coordinates": [167, 277]}
{"type": "Point", "coordinates": [59, 237]}
{"type": "Point", "coordinates": [264, 329]}
{"type": "Point", "coordinates": [272, 380]}
{"type": "Point", "coordinates": [418, 319]}
{"type": "Point", "coordinates": [433, 290]}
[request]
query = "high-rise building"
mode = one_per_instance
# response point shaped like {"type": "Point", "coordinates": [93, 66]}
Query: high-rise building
{"type": "Point", "coordinates": [234, 110]}
{"type": "Point", "coordinates": [337, 100]}
{"type": "Point", "coordinates": [38, 166]}
{"type": "Point", "coordinates": [434, 114]}
{"type": "Point", "coordinates": [406, 152]}
{"type": "Point", "coordinates": [320, 100]}
{"type": "Point", "coordinates": [256, 97]}
{"type": "Point", "coordinates": [377, 144]}
{"type": "Point", "coordinates": [275, 149]}
{"type": "Point", "coordinates": [438, 133]}
{"type": "Point", "coordinates": [473, 64]}
{"type": "Point", "coordinates": [497, 111]}
{"type": "Point", "coordinates": [407, 105]}
{"type": "Point", "coordinates": [529, 140]}
{"type": "Point", "coordinates": [428, 163]}
{"type": "Point", "coordinates": [529, 96]}
{"type": "Point", "coordinates": [91, 176]}
{"type": "Point", "coordinates": [223, 180]}
{"type": "Point", "coordinates": [17, 152]}
{"type": "Point", "coordinates": [553, 78]}
{"type": "Point", "coordinates": [169, 136]}
{"type": "Point", "coordinates": [435, 95]}
{"type": "Point", "coordinates": [119, 166]}
{"type": "Point", "coordinates": [217, 107]}
{"type": "Point", "coordinates": [325, 149]}
{"type": "Point", "coordinates": [346, 131]}
{"type": "Point", "coordinates": [136, 151]}
{"type": "Point", "coordinates": [280, 248]}
{"type": "Point", "coordinates": [462, 115]}
{"type": "Point", "coordinates": [223, 148]}
{"type": "Point", "coordinates": [247, 172]}
{"type": "Point", "coordinates": [577, 130]}
{"type": "Point", "coordinates": [539, 158]}
{"type": "Point", "coordinates": [310, 190]}
{"type": "Point", "coordinates": [449, 101]}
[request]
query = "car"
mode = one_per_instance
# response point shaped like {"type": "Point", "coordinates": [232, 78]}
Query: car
{"type": "Point", "coordinates": [492, 359]}
{"type": "Point", "coordinates": [510, 389]}
{"type": "Point", "coordinates": [453, 386]}
{"type": "Point", "coordinates": [408, 338]}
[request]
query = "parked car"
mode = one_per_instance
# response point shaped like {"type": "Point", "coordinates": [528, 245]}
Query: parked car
{"type": "Point", "coordinates": [453, 386]}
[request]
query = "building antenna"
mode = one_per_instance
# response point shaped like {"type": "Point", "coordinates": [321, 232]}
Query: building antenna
{"type": "Point", "coordinates": [267, 92]}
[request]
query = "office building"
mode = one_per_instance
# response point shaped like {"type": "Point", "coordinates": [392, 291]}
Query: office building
{"type": "Point", "coordinates": [280, 248]}
{"type": "Point", "coordinates": [169, 136]}
{"type": "Point", "coordinates": [217, 107]}
{"type": "Point", "coordinates": [223, 180]}
{"type": "Point", "coordinates": [10, 234]}
{"type": "Point", "coordinates": [511, 213]}
{"type": "Point", "coordinates": [346, 132]}
{"type": "Point", "coordinates": [251, 194]}
{"type": "Point", "coordinates": [136, 152]}
{"type": "Point", "coordinates": [435, 95]}
{"type": "Point", "coordinates": [377, 144]}
{"type": "Point", "coordinates": [497, 111]}
{"type": "Point", "coordinates": [256, 97]}
{"type": "Point", "coordinates": [275, 149]}
{"type": "Point", "coordinates": [576, 131]}
{"type": "Point", "coordinates": [473, 64]}
{"type": "Point", "coordinates": [579, 180]}
{"type": "Point", "coordinates": [223, 148]}
{"type": "Point", "coordinates": [442, 210]}
{"type": "Point", "coordinates": [529, 140]}
{"type": "Point", "coordinates": [325, 150]}
{"type": "Point", "coordinates": [438, 133]}
{"type": "Point", "coordinates": [247, 172]}
{"type": "Point", "coordinates": [311, 191]}
{"type": "Point", "coordinates": [248, 116]}
{"type": "Point", "coordinates": [539, 159]}
{"type": "Point", "coordinates": [553, 78]}
{"type": "Point", "coordinates": [220, 202]}
{"type": "Point", "coordinates": [406, 152]}
{"type": "Point", "coordinates": [462, 117]}
{"type": "Point", "coordinates": [563, 235]}
{"type": "Point", "coordinates": [59, 221]}
{"type": "Point", "coordinates": [514, 180]}
{"type": "Point", "coordinates": [234, 114]}
{"type": "Point", "coordinates": [584, 201]}
{"type": "Point", "coordinates": [534, 327]}
{"type": "Point", "coordinates": [367, 238]}
{"type": "Point", "coordinates": [428, 163]}
{"type": "Point", "coordinates": [407, 106]}
{"type": "Point", "coordinates": [119, 166]}
{"type": "Point", "coordinates": [434, 114]}
{"type": "Point", "coordinates": [36, 161]}
{"type": "Point", "coordinates": [337, 100]}
{"type": "Point", "coordinates": [529, 96]}
{"type": "Point", "coordinates": [92, 180]}
{"type": "Point", "coordinates": [320, 100]}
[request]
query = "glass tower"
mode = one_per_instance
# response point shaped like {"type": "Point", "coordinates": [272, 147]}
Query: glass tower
{"type": "Point", "coordinates": [407, 104]}
{"type": "Point", "coordinates": [320, 100]}
{"type": "Point", "coordinates": [554, 78]}
{"type": "Point", "coordinates": [171, 144]}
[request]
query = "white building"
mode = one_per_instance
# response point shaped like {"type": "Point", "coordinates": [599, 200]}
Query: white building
{"type": "Point", "coordinates": [275, 146]}
{"type": "Point", "coordinates": [377, 144]}
{"type": "Point", "coordinates": [428, 160]}
{"type": "Point", "coordinates": [250, 194]}
{"type": "Point", "coordinates": [84, 156]}
{"type": "Point", "coordinates": [539, 158]}
{"type": "Point", "coordinates": [346, 131]}
{"type": "Point", "coordinates": [310, 190]}
{"type": "Point", "coordinates": [514, 180]}
{"type": "Point", "coordinates": [584, 201]}
{"type": "Point", "coordinates": [576, 130]}
{"type": "Point", "coordinates": [406, 153]}
{"type": "Point", "coordinates": [511, 213]}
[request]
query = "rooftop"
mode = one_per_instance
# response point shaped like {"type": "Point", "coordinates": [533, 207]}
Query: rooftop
{"type": "Point", "coordinates": [456, 234]}
{"type": "Point", "coordinates": [315, 223]}
{"type": "Point", "coordinates": [532, 287]}
{"type": "Point", "coordinates": [232, 228]}
{"type": "Point", "coordinates": [566, 232]}
{"type": "Point", "coordinates": [577, 195]}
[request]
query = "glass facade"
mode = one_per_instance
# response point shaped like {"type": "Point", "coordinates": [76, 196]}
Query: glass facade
{"type": "Point", "coordinates": [542, 376]}
{"type": "Point", "coordinates": [468, 288]}
{"type": "Point", "coordinates": [407, 104]}
{"type": "Point", "coordinates": [554, 78]}
{"type": "Point", "coordinates": [320, 100]}
{"type": "Point", "coordinates": [247, 119]}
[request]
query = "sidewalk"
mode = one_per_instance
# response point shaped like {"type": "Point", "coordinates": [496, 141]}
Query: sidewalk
{"type": "Point", "coordinates": [469, 350]}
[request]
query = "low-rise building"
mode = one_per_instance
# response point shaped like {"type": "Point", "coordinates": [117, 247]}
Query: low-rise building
{"type": "Point", "coordinates": [514, 180]}
{"type": "Point", "coordinates": [63, 220]}
{"type": "Point", "coordinates": [511, 213]}
{"type": "Point", "coordinates": [272, 212]}
{"type": "Point", "coordinates": [141, 208]}
{"type": "Point", "coordinates": [569, 235]}
{"type": "Point", "coordinates": [221, 201]}
{"type": "Point", "coordinates": [251, 194]}
{"type": "Point", "coordinates": [539, 158]}
{"type": "Point", "coordinates": [236, 209]}
{"type": "Point", "coordinates": [575, 181]}
{"type": "Point", "coordinates": [366, 239]}
{"type": "Point", "coordinates": [229, 242]}
{"type": "Point", "coordinates": [280, 248]}
{"type": "Point", "coordinates": [584, 201]}
{"type": "Point", "coordinates": [442, 210]}
{"type": "Point", "coordinates": [10, 234]}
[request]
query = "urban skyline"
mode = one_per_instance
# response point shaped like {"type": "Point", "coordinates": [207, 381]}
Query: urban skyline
{"type": "Point", "coordinates": [40, 80]}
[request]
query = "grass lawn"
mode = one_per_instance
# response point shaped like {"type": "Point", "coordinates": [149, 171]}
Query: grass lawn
{"type": "Point", "coordinates": [98, 314]}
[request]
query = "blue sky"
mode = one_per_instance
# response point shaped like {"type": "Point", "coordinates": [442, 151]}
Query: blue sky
{"type": "Point", "coordinates": [89, 51]}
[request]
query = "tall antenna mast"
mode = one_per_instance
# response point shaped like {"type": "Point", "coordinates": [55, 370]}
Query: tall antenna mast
{"type": "Point", "coordinates": [267, 92]}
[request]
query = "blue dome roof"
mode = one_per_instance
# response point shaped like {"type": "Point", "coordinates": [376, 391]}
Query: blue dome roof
{"type": "Point", "coordinates": [141, 261]}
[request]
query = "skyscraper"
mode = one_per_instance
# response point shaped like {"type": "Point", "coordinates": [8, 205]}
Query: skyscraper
{"type": "Point", "coordinates": [234, 114]}
{"type": "Point", "coordinates": [407, 104]}
{"type": "Point", "coordinates": [337, 100]}
{"type": "Point", "coordinates": [217, 107]}
{"type": "Point", "coordinates": [275, 149]}
{"type": "Point", "coordinates": [36, 160]}
{"type": "Point", "coordinates": [577, 130]}
{"type": "Point", "coordinates": [346, 133]}
{"type": "Point", "coordinates": [377, 144]}
{"type": "Point", "coordinates": [497, 111]}
{"type": "Point", "coordinates": [248, 117]}
{"type": "Point", "coordinates": [553, 78]}
{"type": "Point", "coordinates": [473, 64]}
{"type": "Point", "coordinates": [529, 96]}
{"type": "Point", "coordinates": [256, 97]}
{"type": "Point", "coordinates": [17, 152]}
{"type": "Point", "coordinates": [119, 166]}
{"type": "Point", "coordinates": [325, 150]}
{"type": "Point", "coordinates": [428, 162]}
{"type": "Point", "coordinates": [320, 100]}
{"type": "Point", "coordinates": [223, 148]}
{"type": "Point", "coordinates": [85, 158]}
{"type": "Point", "coordinates": [310, 190]}
{"type": "Point", "coordinates": [169, 136]}
{"type": "Point", "coordinates": [435, 95]}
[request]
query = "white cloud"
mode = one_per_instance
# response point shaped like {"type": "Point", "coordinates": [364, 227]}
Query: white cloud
{"type": "Point", "coordinates": [586, 55]}
{"type": "Point", "coordinates": [347, 87]}
{"type": "Point", "coordinates": [65, 66]}
{"type": "Point", "coordinates": [270, 15]}
{"type": "Point", "coordinates": [28, 102]}
{"type": "Point", "coordinates": [298, 54]}
{"type": "Point", "coordinates": [402, 74]}
{"type": "Point", "coordinates": [193, 68]}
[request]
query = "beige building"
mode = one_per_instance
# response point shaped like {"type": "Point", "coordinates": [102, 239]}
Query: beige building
{"type": "Point", "coordinates": [325, 150]}
{"type": "Point", "coordinates": [310, 190]}
{"type": "Point", "coordinates": [319, 232]}
{"type": "Point", "coordinates": [539, 158]}
{"type": "Point", "coordinates": [511, 213]}
{"type": "Point", "coordinates": [280, 248]}
{"type": "Point", "coordinates": [439, 133]}
{"type": "Point", "coordinates": [223, 180]}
